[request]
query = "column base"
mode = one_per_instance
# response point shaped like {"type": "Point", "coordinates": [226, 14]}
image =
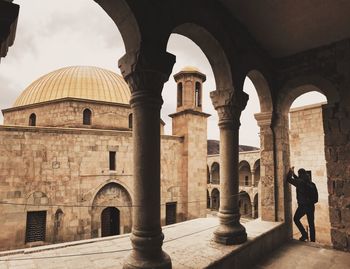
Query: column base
{"type": "Point", "coordinates": [134, 261]}
{"type": "Point", "coordinates": [230, 231]}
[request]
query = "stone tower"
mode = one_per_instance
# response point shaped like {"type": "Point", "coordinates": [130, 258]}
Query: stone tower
{"type": "Point", "coordinates": [190, 123]}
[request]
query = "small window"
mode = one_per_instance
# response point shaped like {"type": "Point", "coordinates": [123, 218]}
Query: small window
{"type": "Point", "coordinates": [246, 180]}
{"type": "Point", "coordinates": [112, 155]}
{"type": "Point", "coordinates": [87, 116]}
{"type": "Point", "coordinates": [198, 95]}
{"type": "Point", "coordinates": [179, 94]}
{"type": "Point", "coordinates": [32, 119]}
{"type": "Point", "coordinates": [36, 226]}
{"type": "Point", "coordinates": [130, 121]}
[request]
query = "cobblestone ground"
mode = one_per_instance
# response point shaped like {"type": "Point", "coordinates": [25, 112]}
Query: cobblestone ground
{"type": "Point", "coordinates": [295, 255]}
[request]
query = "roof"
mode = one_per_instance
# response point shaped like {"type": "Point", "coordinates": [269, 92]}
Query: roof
{"type": "Point", "coordinates": [83, 82]}
{"type": "Point", "coordinates": [213, 147]}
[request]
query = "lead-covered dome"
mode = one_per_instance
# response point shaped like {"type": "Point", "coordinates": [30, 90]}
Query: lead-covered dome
{"type": "Point", "coordinates": [83, 82]}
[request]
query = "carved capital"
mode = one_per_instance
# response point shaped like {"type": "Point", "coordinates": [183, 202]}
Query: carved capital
{"type": "Point", "coordinates": [229, 104]}
{"type": "Point", "coordinates": [146, 71]}
{"type": "Point", "coordinates": [263, 119]}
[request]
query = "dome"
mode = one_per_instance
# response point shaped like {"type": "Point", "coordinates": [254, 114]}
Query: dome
{"type": "Point", "coordinates": [189, 69]}
{"type": "Point", "coordinates": [83, 82]}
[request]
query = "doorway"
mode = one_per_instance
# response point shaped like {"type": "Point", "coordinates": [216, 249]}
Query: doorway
{"type": "Point", "coordinates": [110, 222]}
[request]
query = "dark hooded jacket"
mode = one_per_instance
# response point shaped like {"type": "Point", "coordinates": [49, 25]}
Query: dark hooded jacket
{"type": "Point", "coordinates": [301, 187]}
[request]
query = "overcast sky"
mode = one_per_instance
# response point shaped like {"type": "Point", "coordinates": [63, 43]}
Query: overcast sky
{"type": "Point", "coordinates": [50, 36]}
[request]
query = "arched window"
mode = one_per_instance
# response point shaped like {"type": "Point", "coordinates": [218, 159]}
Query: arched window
{"type": "Point", "coordinates": [130, 121]}
{"type": "Point", "coordinates": [87, 116]}
{"type": "Point", "coordinates": [32, 119]}
{"type": "Point", "coordinates": [198, 94]}
{"type": "Point", "coordinates": [179, 94]}
{"type": "Point", "coordinates": [215, 173]}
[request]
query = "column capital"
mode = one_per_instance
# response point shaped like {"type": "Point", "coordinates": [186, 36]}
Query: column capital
{"type": "Point", "coordinates": [263, 119]}
{"type": "Point", "coordinates": [229, 104]}
{"type": "Point", "coordinates": [146, 71]}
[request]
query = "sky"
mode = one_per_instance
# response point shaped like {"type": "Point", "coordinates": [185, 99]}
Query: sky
{"type": "Point", "coordinates": [50, 36]}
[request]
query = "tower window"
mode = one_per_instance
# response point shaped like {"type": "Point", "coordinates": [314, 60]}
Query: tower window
{"type": "Point", "coordinates": [32, 119]}
{"type": "Point", "coordinates": [36, 226]}
{"type": "Point", "coordinates": [112, 155]}
{"type": "Point", "coordinates": [179, 94]}
{"type": "Point", "coordinates": [87, 116]}
{"type": "Point", "coordinates": [198, 95]}
{"type": "Point", "coordinates": [130, 121]}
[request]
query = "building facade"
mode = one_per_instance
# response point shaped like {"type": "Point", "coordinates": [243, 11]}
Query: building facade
{"type": "Point", "coordinates": [66, 165]}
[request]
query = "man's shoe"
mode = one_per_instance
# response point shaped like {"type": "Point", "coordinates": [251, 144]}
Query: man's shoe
{"type": "Point", "coordinates": [303, 238]}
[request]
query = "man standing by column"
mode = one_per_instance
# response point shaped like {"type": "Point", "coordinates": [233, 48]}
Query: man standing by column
{"type": "Point", "coordinates": [307, 197]}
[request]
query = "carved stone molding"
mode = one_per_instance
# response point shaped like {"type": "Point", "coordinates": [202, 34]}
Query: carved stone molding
{"type": "Point", "coordinates": [229, 104]}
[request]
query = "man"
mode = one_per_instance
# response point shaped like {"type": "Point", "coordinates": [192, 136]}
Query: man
{"type": "Point", "coordinates": [307, 197]}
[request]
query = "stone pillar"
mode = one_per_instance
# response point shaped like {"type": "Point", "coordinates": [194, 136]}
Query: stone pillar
{"type": "Point", "coordinates": [229, 106]}
{"type": "Point", "coordinates": [146, 74]}
{"type": "Point", "coordinates": [253, 177]}
{"type": "Point", "coordinates": [267, 182]}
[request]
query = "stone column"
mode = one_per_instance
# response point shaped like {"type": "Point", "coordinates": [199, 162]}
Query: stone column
{"type": "Point", "coordinates": [229, 106]}
{"type": "Point", "coordinates": [267, 166]}
{"type": "Point", "coordinates": [253, 177]}
{"type": "Point", "coordinates": [146, 74]}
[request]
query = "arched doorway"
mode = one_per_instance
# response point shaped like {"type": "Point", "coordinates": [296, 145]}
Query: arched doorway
{"type": "Point", "coordinates": [215, 173]}
{"type": "Point", "coordinates": [215, 199]}
{"type": "Point", "coordinates": [245, 206]}
{"type": "Point", "coordinates": [111, 211]}
{"type": "Point", "coordinates": [256, 206]}
{"type": "Point", "coordinates": [245, 175]}
{"type": "Point", "coordinates": [110, 221]}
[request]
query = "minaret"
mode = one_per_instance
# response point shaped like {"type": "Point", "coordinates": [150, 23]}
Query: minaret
{"type": "Point", "coordinates": [190, 123]}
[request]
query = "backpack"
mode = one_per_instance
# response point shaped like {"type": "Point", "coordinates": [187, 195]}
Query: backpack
{"type": "Point", "coordinates": [312, 192]}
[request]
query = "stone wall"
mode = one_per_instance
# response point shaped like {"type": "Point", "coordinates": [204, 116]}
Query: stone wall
{"type": "Point", "coordinates": [52, 169]}
{"type": "Point", "coordinates": [306, 139]}
{"type": "Point", "coordinates": [68, 112]}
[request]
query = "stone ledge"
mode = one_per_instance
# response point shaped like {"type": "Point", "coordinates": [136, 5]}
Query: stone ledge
{"type": "Point", "coordinates": [189, 244]}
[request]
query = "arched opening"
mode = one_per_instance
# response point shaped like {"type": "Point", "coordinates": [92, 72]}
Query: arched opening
{"type": "Point", "coordinates": [215, 199]}
{"type": "Point", "coordinates": [179, 94]}
{"type": "Point", "coordinates": [130, 121]}
{"type": "Point", "coordinates": [198, 94]}
{"type": "Point", "coordinates": [87, 116]}
{"type": "Point", "coordinates": [215, 173]}
{"type": "Point", "coordinates": [208, 199]}
{"type": "Point", "coordinates": [111, 211]}
{"type": "Point", "coordinates": [110, 221]}
{"type": "Point", "coordinates": [256, 206]}
{"type": "Point", "coordinates": [245, 175]}
{"type": "Point", "coordinates": [245, 206]}
{"type": "Point", "coordinates": [58, 227]}
{"type": "Point", "coordinates": [307, 150]}
{"type": "Point", "coordinates": [32, 119]}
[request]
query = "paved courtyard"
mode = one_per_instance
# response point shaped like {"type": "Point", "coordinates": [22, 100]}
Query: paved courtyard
{"type": "Point", "coordinates": [295, 255]}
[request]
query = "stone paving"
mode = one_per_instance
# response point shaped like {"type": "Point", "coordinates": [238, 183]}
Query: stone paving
{"type": "Point", "coordinates": [295, 255]}
{"type": "Point", "coordinates": [188, 243]}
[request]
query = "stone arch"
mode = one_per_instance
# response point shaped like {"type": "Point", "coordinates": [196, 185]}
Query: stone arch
{"type": "Point", "coordinates": [256, 171]}
{"type": "Point", "coordinates": [122, 15]}
{"type": "Point", "coordinates": [215, 173]}
{"type": "Point", "coordinates": [215, 199]}
{"type": "Point", "coordinates": [111, 195]}
{"type": "Point", "coordinates": [245, 174]}
{"type": "Point", "coordinates": [245, 205]}
{"type": "Point", "coordinates": [263, 90]}
{"type": "Point", "coordinates": [293, 89]}
{"type": "Point", "coordinates": [296, 87]}
{"type": "Point", "coordinates": [212, 50]}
